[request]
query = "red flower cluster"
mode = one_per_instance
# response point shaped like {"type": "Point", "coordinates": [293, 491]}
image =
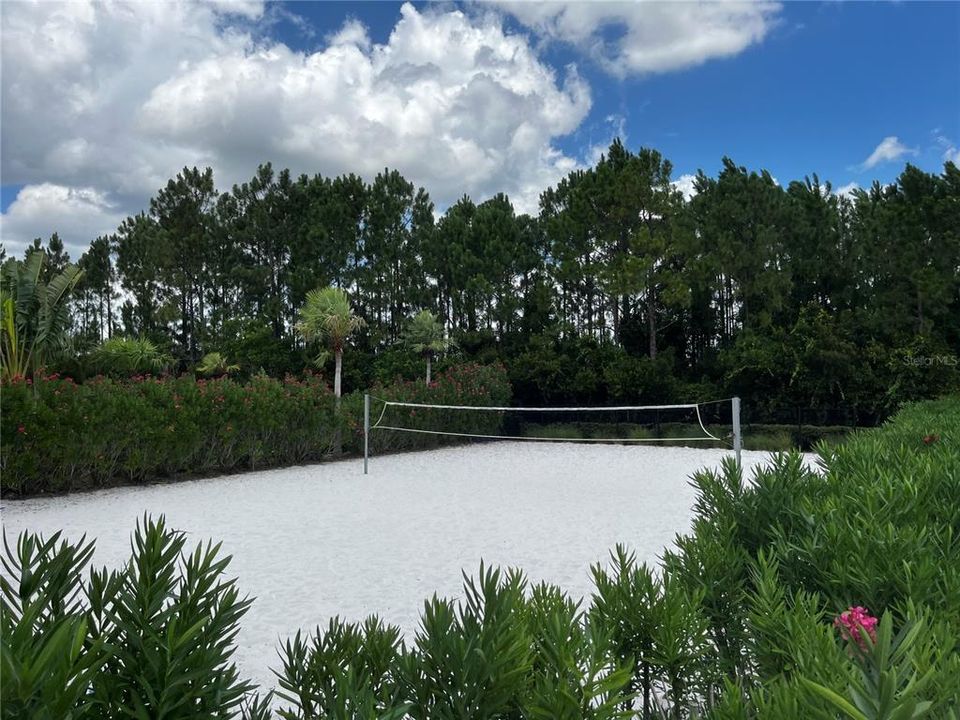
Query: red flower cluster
{"type": "Point", "coordinates": [853, 623]}
{"type": "Point", "coordinates": [930, 439]}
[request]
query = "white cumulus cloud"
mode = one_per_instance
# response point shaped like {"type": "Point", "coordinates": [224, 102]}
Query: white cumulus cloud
{"type": "Point", "coordinates": [846, 190]}
{"type": "Point", "coordinates": [889, 150]}
{"type": "Point", "coordinates": [685, 184]}
{"type": "Point", "coordinates": [114, 99]}
{"type": "Point", "coordinates": [650, 36]}
{"type": "Point", "coordinates": [38, 210]}
{"type": "Point", "coordinates": [951, 153]}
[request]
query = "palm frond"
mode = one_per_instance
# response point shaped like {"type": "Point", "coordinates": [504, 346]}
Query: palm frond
{"type": "Point", "coordinates": [326, 316]}
{"type": "Point", "coordinates": [424, 334]}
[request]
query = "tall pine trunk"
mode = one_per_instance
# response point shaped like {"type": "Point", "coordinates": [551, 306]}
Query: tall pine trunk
{"type": "Point", "coordinates": [616, 320]}
{"type": "Point", "coordinates": [652, 323]}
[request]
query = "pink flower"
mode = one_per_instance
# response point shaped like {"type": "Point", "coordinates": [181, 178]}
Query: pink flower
{"type": "Point", "coordinates": [853, 623]}
{"type": "Point", "coordinates": [21, 429]}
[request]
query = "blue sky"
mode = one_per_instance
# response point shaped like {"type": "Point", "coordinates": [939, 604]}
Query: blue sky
{"type": "Point", "coordinates": [828, 84]}
{"type": "Point", "coordinates": [516, 95]}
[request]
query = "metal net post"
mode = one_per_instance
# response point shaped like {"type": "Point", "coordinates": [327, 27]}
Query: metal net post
{"type": "Point", "coordinates": [366, 431]}
{"type": "Point", "coordinates": [737, 436]}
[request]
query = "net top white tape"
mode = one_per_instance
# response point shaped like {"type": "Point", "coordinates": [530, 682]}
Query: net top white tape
{"type": "Point", "coordinates": [592, 408]}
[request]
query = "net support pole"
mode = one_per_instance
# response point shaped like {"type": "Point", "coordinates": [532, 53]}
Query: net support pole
{"type": "Point", "coordinates": [366, 430]}
{"type": "Point", "coordinates": [737, 435]}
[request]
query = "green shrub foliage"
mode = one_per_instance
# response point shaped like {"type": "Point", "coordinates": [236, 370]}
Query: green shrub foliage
{"type": "Point", "coordinates": [152, 640]}
{"type": "Point", "coordinates": [58, 435]}
{"type": "Point", "coordinates": [125, 357]}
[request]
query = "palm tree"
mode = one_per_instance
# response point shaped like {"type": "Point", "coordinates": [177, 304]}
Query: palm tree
{"type": "Point", "coordinates": [34, 315]}
{"type": "Point", "coordinates": [425, 337]}
{"type": "Point", "coordinates": [215, 365]}
{"type": "Point", "coordinates": [122, 357]}
{"type": "Point", "coordinates": [326, 317]}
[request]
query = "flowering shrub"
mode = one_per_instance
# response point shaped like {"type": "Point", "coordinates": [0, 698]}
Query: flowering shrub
{"type": "Point", "coordinates": [61, 436]}
{"type": "Point", "coordinates": [873, 526]}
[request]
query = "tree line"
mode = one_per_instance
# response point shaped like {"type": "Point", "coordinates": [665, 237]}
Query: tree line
{"type": "Point", "coordinates": [620, 288]}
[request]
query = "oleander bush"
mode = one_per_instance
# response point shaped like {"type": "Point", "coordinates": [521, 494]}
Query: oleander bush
{"type": "Point", "coordinates": [777, 558]}
{"type": "Point", "coordinates": [154, 639]}
{"type": "Point", "coordinates": [57, 435]}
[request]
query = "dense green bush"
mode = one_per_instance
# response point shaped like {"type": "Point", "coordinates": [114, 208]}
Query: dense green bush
{"type": "Point", "coordinates": [875, 527]}
{"type": "Point", "coordinates": [151, 640]}
{"type": "Point", "coordinates": [58, 435]}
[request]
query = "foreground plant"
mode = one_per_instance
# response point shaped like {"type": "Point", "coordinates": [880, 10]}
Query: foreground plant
{"type": "Point", "coordinates": [49, 657]}
{"type": "Point", "coordinates": [499, 653]}
{"type": "Point", "coordinates": [890, 684]}
{"type": "Point", "coordinates": [152, 640]}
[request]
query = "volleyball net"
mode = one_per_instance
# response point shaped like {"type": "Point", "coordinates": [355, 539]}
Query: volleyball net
{"type": "Point", "coordinates": [713, 424]}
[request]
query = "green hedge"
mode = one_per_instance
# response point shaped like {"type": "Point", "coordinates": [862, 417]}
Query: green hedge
{"type": "Point", "coordinates": [58, 436]}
